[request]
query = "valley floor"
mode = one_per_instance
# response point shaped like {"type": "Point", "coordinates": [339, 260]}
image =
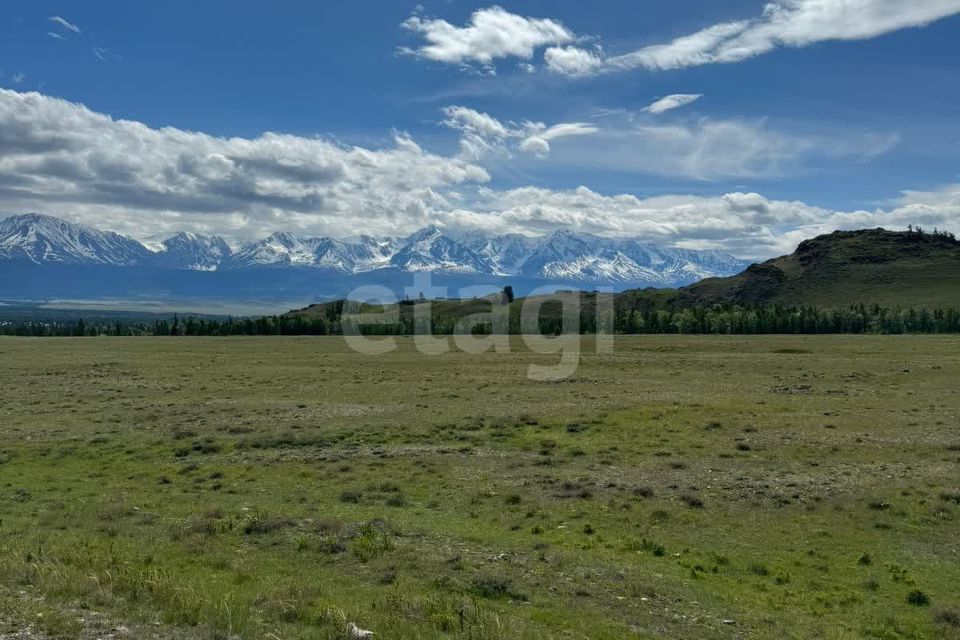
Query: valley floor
{"type": "Point", "coordinates": [284, 488]}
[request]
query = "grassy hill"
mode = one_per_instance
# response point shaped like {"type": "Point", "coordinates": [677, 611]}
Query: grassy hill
{"type": "Point", "coordinates": [872, 266]}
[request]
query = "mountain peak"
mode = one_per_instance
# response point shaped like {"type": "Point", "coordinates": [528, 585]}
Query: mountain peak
{"type": "Point", "coordinates": [40, 238]}
{"type": "Point", "coordinates": [193, 251]}
{"type": "Point", "coordinates": [33, 220]}
{"type": "Point", "coordinates": [564, 255]}
{"type": "Point", "coordinates": [429, 232]}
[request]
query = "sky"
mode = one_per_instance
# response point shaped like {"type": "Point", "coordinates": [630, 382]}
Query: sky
{"type": "Point", "coordinates": [744, 126]}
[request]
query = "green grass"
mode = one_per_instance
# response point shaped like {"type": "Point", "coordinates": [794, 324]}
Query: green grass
{"type": "Point", "coordinates": [870, 266]}
{"type": "Point", "coordinates": [699, 487]}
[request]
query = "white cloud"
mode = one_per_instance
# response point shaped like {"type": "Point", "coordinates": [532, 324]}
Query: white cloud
{"type": "Point", "coordinates": [538, 142]}
{"type": "Point", "coordinates": [783, 23]}
{"type": "Point", "coordinates": [66, 24]}
{"type": "Point", "coordinates": [745, 224]}
{"type": "Point", "coordinates": [482, 133]}
{"type": "Point", "coordinates": [55, 36]}
{"type": "Point", "coordinates": [572, 61]}
{"type": "Point", "coordinates": [18, 78]}
{"type": "Point", "coordinates": [467, 119]}
{"type": "Point", "coordinates": [61, 158]}
{"type": "Point", "coordinates": [711, 149]}
{"type": "Point", "coordinates": [491, 34]}
{"type": "Point", "coordinates": [103, 54]}
{"type": "Point", "coordinates": [536, 146]}
{"type": "Point", "coordinates": [673, 102]}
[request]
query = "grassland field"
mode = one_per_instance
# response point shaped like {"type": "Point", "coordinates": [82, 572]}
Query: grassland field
{"type": "Point", "coordinates": [283, 488]}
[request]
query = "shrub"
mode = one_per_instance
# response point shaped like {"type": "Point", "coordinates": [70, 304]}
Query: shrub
{"type": "Point", "coordinates": [396, 500]}
{"type": "Point", "coordinates": [951, 496]}
{"type": "Point", "coordinates": [643, 492]}
{"type": "Point", "coordinates": [494, 587]}
{"type": "Point", "coordinates": [371, 541]}
{"type": "Point", "coordinates": [657, 550]}
{"type": "Point", "coordinates": [692, 501]}
{"type": "Point", "coordinates": [918, 598]}
{"type": "Point", "coordinates": [948, 617]}
{"type": "Point", "coordinates": [206, 447]}
{"type": "Point", "coordinates": [351, 497]}
{"type": "Point", "coordinates": [865, 560]}
{"type": "Point", "coordinates": [328, 525]}
{"type": "Point", "coordinates": [260, 524]}
{"type": "Point", "coordinates": [331, 545]}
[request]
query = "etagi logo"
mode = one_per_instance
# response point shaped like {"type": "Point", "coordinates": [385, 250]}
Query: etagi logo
{"type": "Point", "coordinates": [548, 322]}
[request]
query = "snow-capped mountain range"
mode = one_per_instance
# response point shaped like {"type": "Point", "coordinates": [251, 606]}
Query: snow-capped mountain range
{"type": "Point", "coordinates": [562, 256]}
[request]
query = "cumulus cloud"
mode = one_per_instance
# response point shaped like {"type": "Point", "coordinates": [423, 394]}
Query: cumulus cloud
{"type": "Point", "coordinates": [673, 102]}
{"type": "Point", "coordinates": [782, 23]}
{"type": "Point", "coordinates": [490, 34]}
{"type": "Point", "coordinates": [61, 158]}
{"type": "Point", "coordinates": [482, 133]}
{"type": "Point", "coordinates": [748, 225]}
{"type": "Point", "coordinates": [466, 119]}
{"type": "Point", "coordinates": [66, 24]}
{"type": "Point", "coordinates": [572, 61]}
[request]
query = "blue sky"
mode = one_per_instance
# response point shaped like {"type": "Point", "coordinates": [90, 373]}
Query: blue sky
{"type": "Point", "coordinates": [819, 124]}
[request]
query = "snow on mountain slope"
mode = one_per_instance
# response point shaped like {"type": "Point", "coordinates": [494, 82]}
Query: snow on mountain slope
{"type": "Point", "coordinates": [40, 239]}
{"type": "Point", "coordinates": [192, 251]}
{"type": "Point", "coordinates": [278, 250]}
{"type": "Point", "coordinates": [430, 250]}
{"type": "Point", "coordinates": [507, 253]}
{"type": "Point", "coordinates": [563, 255]}
{"type": "Point", "coordinates": [364, 254]}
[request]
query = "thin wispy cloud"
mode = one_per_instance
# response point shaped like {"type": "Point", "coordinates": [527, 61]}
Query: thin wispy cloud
{"type": "Point", "coordinates": [495, 33]}
{"type": "Point", "coordinates": [55, 36]}
{"type": "Point", "coordinates": [675, 101]}
{"type": "Point", "coordinates": [483, 133]}
{"type": "Point", "coordinates": [66, 24]}
{"type": "Point", "coordinates": [538, 140]}
{"type": "Point", "coordinates": [104, 55]}
{"type": "Point", "coordinates": [782, 23]}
